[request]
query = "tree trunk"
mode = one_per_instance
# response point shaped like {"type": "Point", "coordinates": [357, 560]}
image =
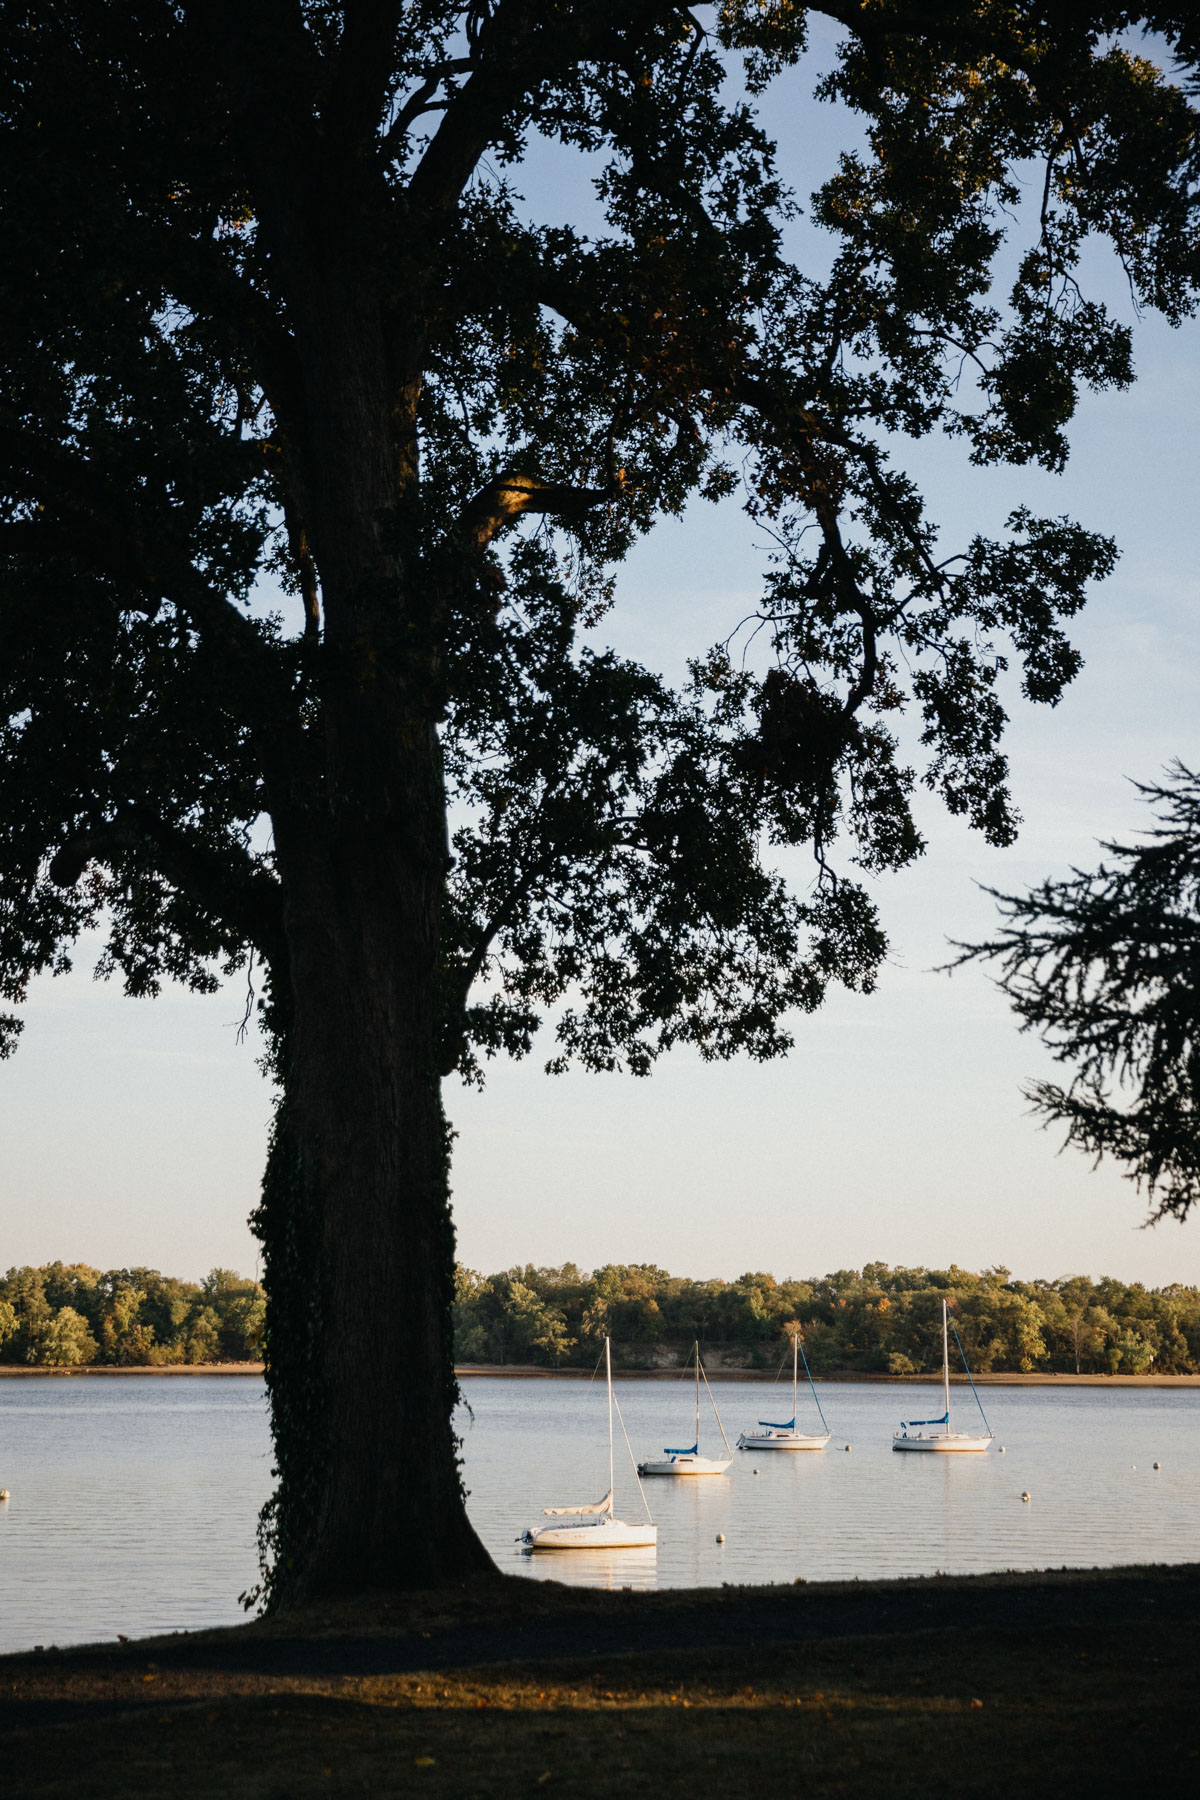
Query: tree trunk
{"type": "Point", "coordinates": [356, 1217]}
{"type": "Point", "coordinates": [363, 1389]}
{"type": "Point", "coordinates": [363, 1385]}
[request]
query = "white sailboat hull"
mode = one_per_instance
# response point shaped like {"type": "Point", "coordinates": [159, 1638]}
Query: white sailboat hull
{"type": "Point", "coordinates": [594, 1527]}
{"type": "Point", "coordinates": [774, 1434]}
{"type": "Point", "coordinates": [591, 1534]}
{"type": "Point", "coordinates": [687, 1465]}
{"type": "Point", "coordinates": [941, 1443]}
{"type": "Point", "coordinates": [946, 1442]}
{"type": "Point", "coordinates": [782, 1440]}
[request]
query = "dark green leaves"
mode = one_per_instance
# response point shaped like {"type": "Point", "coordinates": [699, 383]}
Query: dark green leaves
{"type": "Point", "coordinates": [1105, 968]}
{"type": "Point", "coordinates": [273, 304]}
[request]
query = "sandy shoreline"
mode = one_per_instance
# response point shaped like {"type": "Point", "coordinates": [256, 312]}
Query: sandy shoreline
{"type": "Point", "coordinates": [531, 1372]}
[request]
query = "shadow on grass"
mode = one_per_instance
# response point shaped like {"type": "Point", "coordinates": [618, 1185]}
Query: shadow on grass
{"type": "Point", "coordinates": [932, 1713]}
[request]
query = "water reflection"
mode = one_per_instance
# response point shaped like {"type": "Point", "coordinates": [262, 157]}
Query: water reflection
{"type": "Point", "coordinates": [632, 1568]}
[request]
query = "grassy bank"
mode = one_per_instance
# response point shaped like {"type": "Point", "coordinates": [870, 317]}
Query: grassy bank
{"type": "Point", "coordinates": [1052, 1684]}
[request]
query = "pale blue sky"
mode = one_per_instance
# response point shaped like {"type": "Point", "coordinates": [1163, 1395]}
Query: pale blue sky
{"type": "Point", "coordinates": [134, 1132]}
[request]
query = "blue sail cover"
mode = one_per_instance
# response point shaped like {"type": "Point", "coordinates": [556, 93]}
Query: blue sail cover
{"type": "Point", "coordinates": [694, 1450]}
{"type": "Point", "coordinates": [944, 1420]}
{"type": "Point", "coordinates": [778, 1425]}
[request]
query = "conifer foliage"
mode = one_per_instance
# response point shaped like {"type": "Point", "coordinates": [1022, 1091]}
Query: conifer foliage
{"type": "Point", "coordinates": [1104, 966]}
{"type": "Point", "coordinates": [274, 311]}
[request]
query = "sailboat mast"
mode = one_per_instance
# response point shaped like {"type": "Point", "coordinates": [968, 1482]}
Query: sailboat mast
{"type": "Point", "coordinates": [946, 1363]}
{"type": "Point", "coordinates": [696, 1439]}
{"type": "Point", "coordinates": [608, 1379]}
{"type": "Point", "coordinates": [795, 1347]}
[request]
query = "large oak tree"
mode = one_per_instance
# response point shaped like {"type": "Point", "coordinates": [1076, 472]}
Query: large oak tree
{"type": "Point", "coordinates": [272, 308]}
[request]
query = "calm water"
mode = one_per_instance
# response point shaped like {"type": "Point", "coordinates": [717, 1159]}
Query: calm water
{"type": "Point", "coordinates": [134, 1501]}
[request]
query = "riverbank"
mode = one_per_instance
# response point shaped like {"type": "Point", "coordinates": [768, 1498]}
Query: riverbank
{"type": "Point", "coordinates": [52, 1372]}
{"type": "Point", "coordinates": [1067, 1682]}
{"type": "Point", "coordinates": [533, 1372]}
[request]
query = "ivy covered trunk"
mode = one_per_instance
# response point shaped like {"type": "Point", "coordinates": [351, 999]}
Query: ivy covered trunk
{"type": "Point", "coordinates": [361, 1360]}
{"type": "Point", "coordinates": [362, 1376]}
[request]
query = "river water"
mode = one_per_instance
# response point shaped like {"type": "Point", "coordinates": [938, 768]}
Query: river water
{"type": "Point", "coordinates": [134, 1500]}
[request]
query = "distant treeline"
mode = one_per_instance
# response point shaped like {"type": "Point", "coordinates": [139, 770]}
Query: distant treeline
{"type": "Point", "coordinates": [67, 1314]}
{"type": "Point", "coordinates": [876, 1320]}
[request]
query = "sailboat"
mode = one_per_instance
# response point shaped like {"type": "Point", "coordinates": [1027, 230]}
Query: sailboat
{"type": "Point", "coordinates": [771, 1436]}
{"type": "Point", "coordinates": [943, 1440]}
{"type": "Point", "coordinates": [594, 1527]}
{"type": "Point", "coordinates": [690, 1462]}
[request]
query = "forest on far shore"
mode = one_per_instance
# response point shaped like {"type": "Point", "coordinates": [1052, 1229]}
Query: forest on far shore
{"type": "Point", "coordinates": [875, 1320]}
{"type": "Point", "coordinates": [67, 1315]}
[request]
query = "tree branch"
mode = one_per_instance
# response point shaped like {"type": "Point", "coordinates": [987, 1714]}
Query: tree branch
{"type": "Point", "coordinates": [521, 45]}
{"type": "Point", "coordinates": [212, 288]}
{"type": "Point", "coordinates": [228, 883]}
{"type": "Point", "coordinates": [98, 525]}
{"type": "Point", "coordinates": [871, 24]}
{"type": "Point", "coordinates": [421, 101]}
{"type": "Point", "coordinates": [502, 502]}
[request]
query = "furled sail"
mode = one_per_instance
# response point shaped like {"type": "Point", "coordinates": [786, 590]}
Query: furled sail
{"type": "Point", "coordinates": [601, 1506]}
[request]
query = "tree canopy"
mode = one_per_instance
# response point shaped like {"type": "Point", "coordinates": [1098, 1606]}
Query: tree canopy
{"type": "Point", "coordinates": [273, 309]}
{"type": "Point", "coordinates": [156, 466]}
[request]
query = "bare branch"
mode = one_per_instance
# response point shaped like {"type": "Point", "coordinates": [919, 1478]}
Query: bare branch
{"type": "Point", "coordinates": [422, 101]}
